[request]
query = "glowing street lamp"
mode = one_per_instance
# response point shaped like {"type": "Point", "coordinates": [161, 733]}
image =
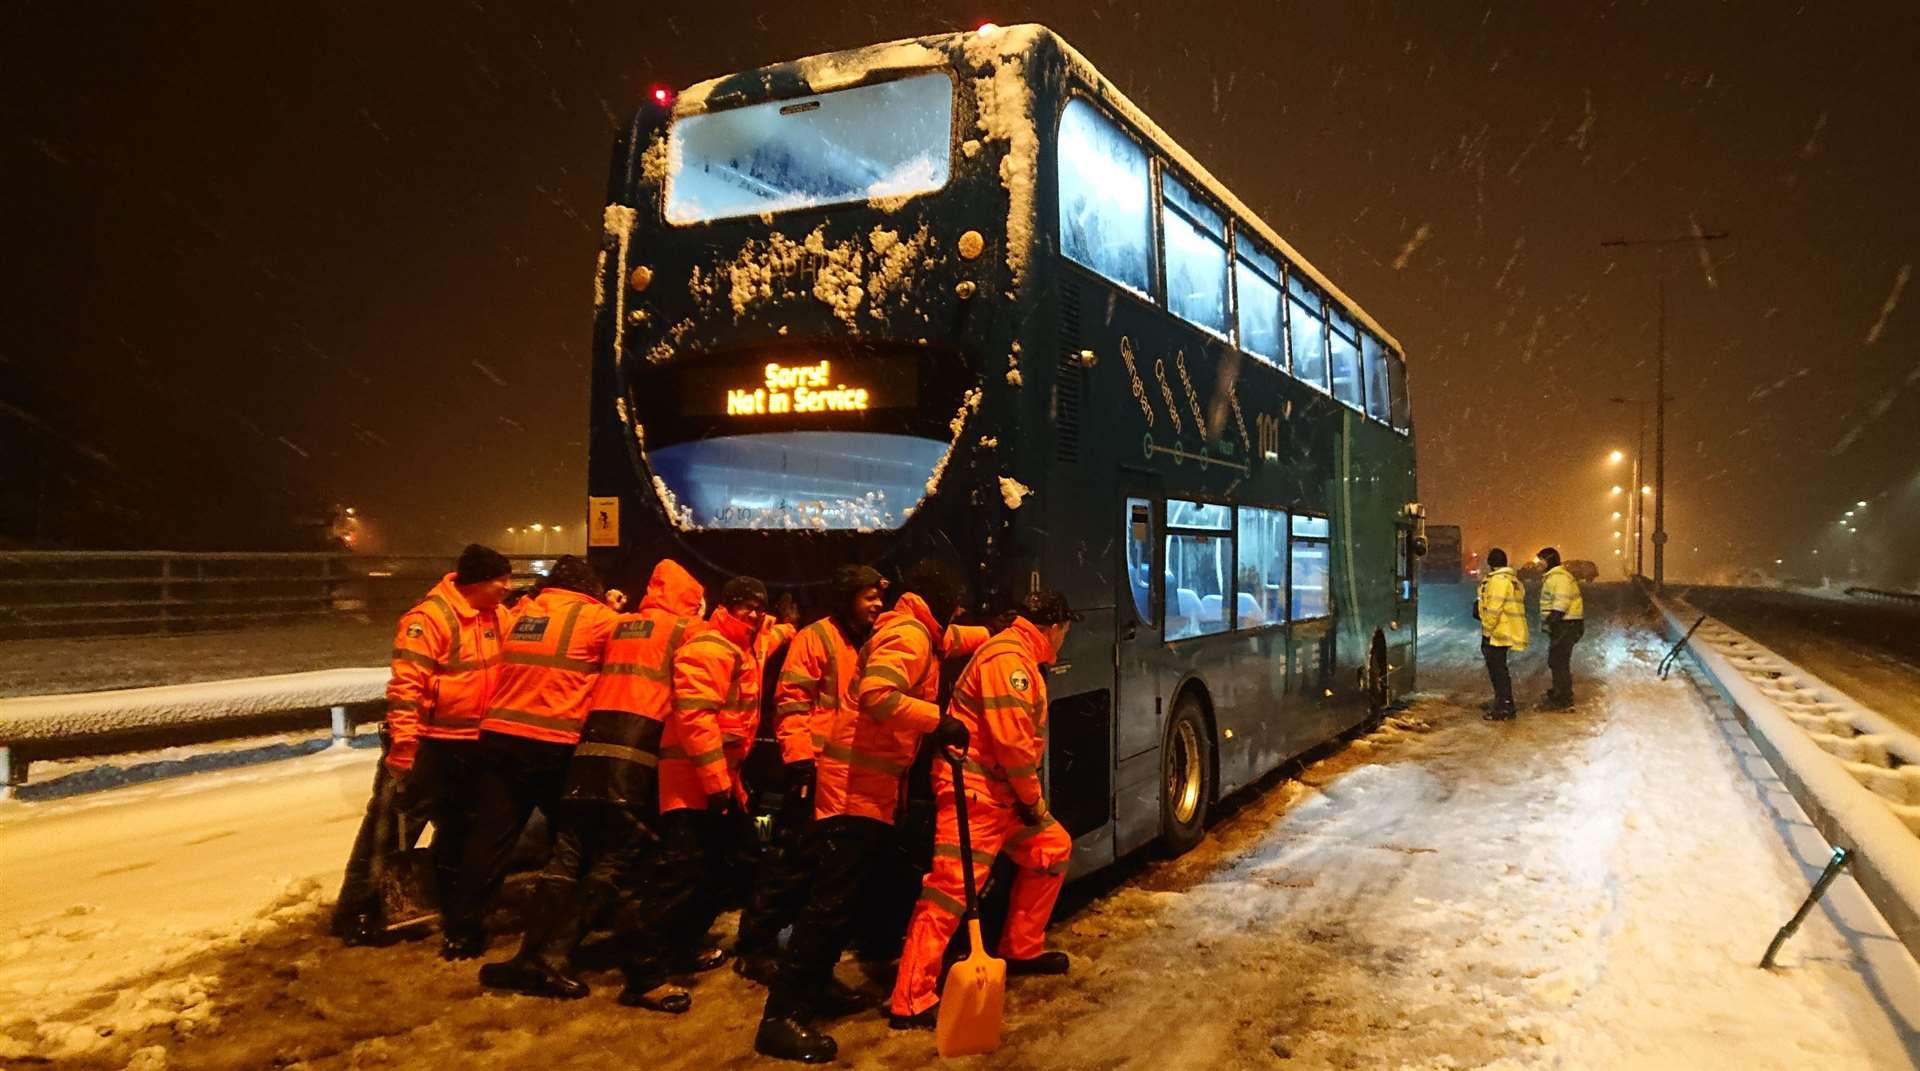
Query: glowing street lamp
{"type": "Point", "coordinates": [1616, 515]}
{"type": "Point", "coordinates": [1616, 489]}
{"type": "Point", "coordinates": [1645, 490]}
{"type": "Point", "coordinates": [1616, 457]}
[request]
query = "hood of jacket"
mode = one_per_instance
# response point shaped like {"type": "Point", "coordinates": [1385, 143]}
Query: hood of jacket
{"type": "Point", "coordinates": [673, 589]}
{"type": "Point", "coordinates": [737, 631]}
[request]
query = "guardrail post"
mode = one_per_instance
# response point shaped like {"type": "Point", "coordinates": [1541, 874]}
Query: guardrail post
{"type": "Point", "coordinates": [13, 771]}
{"type": "Point", "coordinates": [342, 727]}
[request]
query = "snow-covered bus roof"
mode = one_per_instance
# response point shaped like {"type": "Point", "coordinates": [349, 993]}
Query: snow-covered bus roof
{"type": "Point", "coordinates": [832, 70]}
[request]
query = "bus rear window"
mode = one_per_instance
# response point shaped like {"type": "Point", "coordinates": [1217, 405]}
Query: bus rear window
{"type": "Point", "coordinates": [799, 479]}
{"type": "Point", "coordinates": [891, 139]}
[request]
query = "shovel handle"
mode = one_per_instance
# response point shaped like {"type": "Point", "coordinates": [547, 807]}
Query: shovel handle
{"type": "Point", "coordinates": [966, 835]}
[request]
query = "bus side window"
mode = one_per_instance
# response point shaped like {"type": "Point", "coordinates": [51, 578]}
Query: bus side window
{"type": "Point", "coordinates": [1139, 537]}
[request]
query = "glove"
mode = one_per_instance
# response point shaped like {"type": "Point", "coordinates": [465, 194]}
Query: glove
{"type": "Point", "coordinates": [800, 777]}
{"type": "Point", "coordinates": [1033, 814]}
{"type": "Point", "coordinates": [951, 732]}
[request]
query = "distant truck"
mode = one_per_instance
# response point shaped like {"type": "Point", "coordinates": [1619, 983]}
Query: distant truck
{"type": "Point", "coordinates": [1443, 564]}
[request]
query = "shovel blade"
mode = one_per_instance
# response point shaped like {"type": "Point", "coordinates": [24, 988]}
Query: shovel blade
{"type": "Point", "coordinates": [406, 887]}
{"type": "Point", "coordinates": [971, 1004]}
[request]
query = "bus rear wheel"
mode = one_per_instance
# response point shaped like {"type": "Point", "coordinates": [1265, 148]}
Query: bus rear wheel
{"type": "Point", "coordinates": [1186, 768]}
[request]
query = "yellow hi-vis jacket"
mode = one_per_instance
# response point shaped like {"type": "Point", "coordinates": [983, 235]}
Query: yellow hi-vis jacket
{"type": "Point", "coordinates": [1503, 610]}
{"type": "Point", "coordinates": [1560, 591]}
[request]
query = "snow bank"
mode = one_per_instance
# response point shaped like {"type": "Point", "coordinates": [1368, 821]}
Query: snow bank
{"type": "Point", "coordinates": [1773, 695]}
{"type": "Point", "coordinates": [64, 717]}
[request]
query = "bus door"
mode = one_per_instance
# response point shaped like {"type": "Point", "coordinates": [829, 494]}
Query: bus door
{"type": "Point", "coordinates": [1138, 708]}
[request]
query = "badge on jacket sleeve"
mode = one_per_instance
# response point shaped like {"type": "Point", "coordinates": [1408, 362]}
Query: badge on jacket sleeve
{"type": "Point", "coordinates": [415, 631]}
{"type": "Point", "coordinates": [1018, 678]}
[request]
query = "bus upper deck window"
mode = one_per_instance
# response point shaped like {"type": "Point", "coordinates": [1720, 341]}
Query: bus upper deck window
{"type": "Point", "coordinates": [890, 139]}
{"type": "Point", "coordinates": [1374, 356]}
{"type": "Point", "coordinates": [1257, 279]}
{"type": "Point", "coordinates": [1306, 332]}
{"type": "Point", "coordinates": [1196, 238]}
{"type": "Point", "coordinates": [1397, 386]}
{"type": "Point", "coordinates": [1344, 357]}
{"type": "Point", "coordinates": [1105, 198]}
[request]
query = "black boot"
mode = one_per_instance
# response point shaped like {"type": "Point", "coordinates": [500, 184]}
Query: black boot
{"type": "Point", "coordinates": [555, 920]}
{"type": "Point", "coordinates": [759, 967]}
{"type": "Point", "coordinates": [792, 1038]}
{"type": "Point", "coordinates": [786, 1034]}
{"type": "Point", "coordinates": [1054, 962]}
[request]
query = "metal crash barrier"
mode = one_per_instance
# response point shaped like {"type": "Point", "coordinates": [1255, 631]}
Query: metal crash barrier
{"type": "Point", "coordinates": [85, 724]}
{"type": "Point", "coordinates": [1854, 772]}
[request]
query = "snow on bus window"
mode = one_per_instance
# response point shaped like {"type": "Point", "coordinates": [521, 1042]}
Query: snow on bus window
{"type": "Point", "coordinates": [1199, 575]}
{"type": "Point", "coordinates": [1312, 570]}
{"type": "Point", "coordinates": [892, 139]}
{"type": "Point", "coordinates": [1196, 239]}
{"type": "Point", "coordinates": [1306, 332]}
{"type": "Point", "coordinates": [1184, 514]}
{"type": "Point", "coordinates": [1375, 356]}
{"type": "Point", "coordinates": [1257, 282]}
{"type": "Point", "coordinates": [1344, 351]}
{"type": "Point", "coordinates": [1260, 589]}
{"type": "Point", "coordinates": [799, 479]}
{"type": "Point", "coordinates": [1105, 197]}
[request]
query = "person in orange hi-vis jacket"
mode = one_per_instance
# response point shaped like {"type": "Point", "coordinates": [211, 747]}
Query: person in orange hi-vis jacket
{"type": "Point", "coordinates": [861, 769]}
{"type": "Point", "coordinates": [551, 659]}
{"type": "Point", "coordinates": [611, 790]}
{"type": "Point", "coordinates": [1001, 698]}
{"type": "Point", "coordinates": [716, 711]}
{"type": "Point", "coordinates": [816, 680]}
{"type": "Point", "coordinates": [446, 659]}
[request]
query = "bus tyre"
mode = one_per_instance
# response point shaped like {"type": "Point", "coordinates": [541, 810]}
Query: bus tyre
{"type": "Point", "coordinates": [1186, 769]}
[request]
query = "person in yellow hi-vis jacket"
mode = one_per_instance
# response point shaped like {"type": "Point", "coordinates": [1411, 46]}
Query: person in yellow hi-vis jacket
{"type": "Point", "coordinates": [1502, 611]}
{"type": "Point", "coordinates": [1563, 618]}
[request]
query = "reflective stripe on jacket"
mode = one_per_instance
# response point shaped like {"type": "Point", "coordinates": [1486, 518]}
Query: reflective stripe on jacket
{"type": "Point", "coordinates": [1560, 591]}
{"type": "Point", "coordinates": [446, 664]}
{"type": "Point", "coordinates": [1001, 697]}
{"type": "Point", "coordinates": [716, 710]}
{"type": "Point", "coordinates": [552, 656]}
{"type": "Point", "coordinates": [816, 683]}
{"type": "Point", "coordinates": [618, 757]}
{"type": "Point", "coordinates": [1503, 610]}
{"type": "Point", "coordinates": [863, 761]}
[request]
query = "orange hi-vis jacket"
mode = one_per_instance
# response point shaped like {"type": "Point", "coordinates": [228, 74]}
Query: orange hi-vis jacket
{"type": "Point", "coordinates": [552, 655]}
{"type": "Point", "coordinates": [1001, 697]}
{"type": "Point", "coordinates": [446, 664]}
{"type": "Point", "coordinates": [716, 710]}
{"type": "Point", "coordinates": [637, 675]}
{"type": "Point", "coordinates": [816, 683]}
{"type": "Point", "coordinates": [862, 764]}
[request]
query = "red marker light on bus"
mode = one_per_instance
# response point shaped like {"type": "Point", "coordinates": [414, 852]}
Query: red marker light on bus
{"type": "Point", "coordinates": [662, 96]}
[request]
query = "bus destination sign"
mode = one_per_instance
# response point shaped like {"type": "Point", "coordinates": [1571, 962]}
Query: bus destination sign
{"type": "Point", "coordinates": [798, 388]}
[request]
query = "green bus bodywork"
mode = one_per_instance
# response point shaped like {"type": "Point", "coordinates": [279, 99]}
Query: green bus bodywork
{"type": "Point", "coordinates": [1063, 396]}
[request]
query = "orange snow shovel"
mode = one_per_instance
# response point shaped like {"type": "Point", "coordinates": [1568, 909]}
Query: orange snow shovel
{"type": "Point", "coordinates": [971, 1001]}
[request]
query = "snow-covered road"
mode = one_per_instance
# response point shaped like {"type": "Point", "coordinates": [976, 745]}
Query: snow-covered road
{"type": "Point", "coordinates": [1579, 890]}
{"type": "Point", "coordinates": [1868, 649]}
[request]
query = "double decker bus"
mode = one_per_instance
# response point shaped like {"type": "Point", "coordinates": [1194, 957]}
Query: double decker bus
{"type": "Point", "coordinates": [956, 297]}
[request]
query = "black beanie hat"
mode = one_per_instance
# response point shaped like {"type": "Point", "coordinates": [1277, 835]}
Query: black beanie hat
{"type": "Point", "coordinates": [1047, 607]}
{"type": "Point", "coordinates": [742, 589]}
{"type": "Point", "coordinates": [851, 580]}
{"type": "Point", "coordinates": [478, 563]}
{"type": "Point", "coordinates": [572, 573]}
{"type": "Point", "coordinates": [1497, 558]}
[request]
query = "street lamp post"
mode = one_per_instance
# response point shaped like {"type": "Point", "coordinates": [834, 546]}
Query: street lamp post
{"type": "Point", "coordinates": [1636, 515]}
{"type": "Point", "coordinates": [1660, 402]}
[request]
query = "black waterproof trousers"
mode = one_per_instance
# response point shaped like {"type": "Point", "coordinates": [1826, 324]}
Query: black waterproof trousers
{"type": "Point", "coordinates": [1496, 658]}
{"type": "Point", "coordinates": [512, 777]}
{"type": "Point", "coordinates": [1562, 636]}
{"type": "Point", "coordinates": [679, 896]}
{"type": "Point", "coordinates": [395, 817]}
{"type": "Point", "coordinates": [845, 851]}
{"type": "Point", "coordinates": [781, 879]}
